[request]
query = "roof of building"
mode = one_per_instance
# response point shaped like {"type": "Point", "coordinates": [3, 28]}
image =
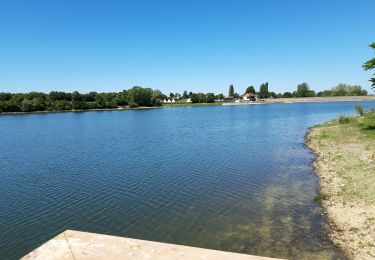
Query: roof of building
{"type": "Point", "coordinates": [249, 95]}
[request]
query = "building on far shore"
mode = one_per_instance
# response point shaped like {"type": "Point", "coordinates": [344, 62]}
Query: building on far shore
{"type": "Point", "coordinates": [185, 100]}
{"type": "Point", "coordinates": [228, 99]}
{"type": "Point", "coordinates": [247, 97]}
{"type": "Point", "coordinates": [169, 100]}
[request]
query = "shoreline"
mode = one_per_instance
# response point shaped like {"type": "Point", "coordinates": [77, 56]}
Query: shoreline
{"type": "Point", "coordinates": [346, 175]}
{"type": "Point", "coordinates": [79, 110]}
{"type": "Point", "coordinates": [173, 105]}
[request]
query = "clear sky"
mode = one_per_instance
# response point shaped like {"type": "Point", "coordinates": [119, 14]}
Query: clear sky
{"type": "Point", "coordinates": [197, 45]}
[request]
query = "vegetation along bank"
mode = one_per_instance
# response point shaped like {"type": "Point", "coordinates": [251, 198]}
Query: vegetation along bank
{"type": "Point", "coordinates": [345, 164]}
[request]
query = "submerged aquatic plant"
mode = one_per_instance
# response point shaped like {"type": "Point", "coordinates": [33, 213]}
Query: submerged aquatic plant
{"type": "Point", "coordinates": [320, 197]}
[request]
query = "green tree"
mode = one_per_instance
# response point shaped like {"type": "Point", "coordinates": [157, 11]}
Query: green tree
{"type": "Point", "coordinates": [185, 94]}
{"type": "Point", "coordinates": [198, 98]}
{"type": "Point", "coordinates": [157, 94]}
{"type": "Point", "coordinates": [303, 90]}
{"type": "Point", "coordinates": [263, 91]}
{"type": "Point", "coordinates": [250, 89]}
{"type": "Point", "coordinates": [370, 65]}
{"type": "Point", "coordinates": [5, 96]}
{"type": "Point", "coordinates": [38, 103]}
{"type": "Point", "coordinates": [210, 97]}
{"type": "Point", "coordinates": [26, 106]}
{"type": "Point", "coordinates": [195, 98]}
{"type": "Point", "coordinates": [122, 98]}
{"type": "Point", "coordinates": [231, 91]}
{"type": "Point", "coordinates": [287, 95]}
{"type": "Point", "coordinates": [77, 101]}
{"type": "Point", "coordinates": [139, 96]}
{"type": "Point", "coordinates": [346, 90]}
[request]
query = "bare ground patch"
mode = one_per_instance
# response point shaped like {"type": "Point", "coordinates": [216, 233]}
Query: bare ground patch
{"type": "Point", "coordinates": [345, 165]}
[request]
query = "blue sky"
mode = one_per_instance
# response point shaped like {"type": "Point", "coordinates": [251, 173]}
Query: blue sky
{"type": "Point", "coordinates": [173, 45]}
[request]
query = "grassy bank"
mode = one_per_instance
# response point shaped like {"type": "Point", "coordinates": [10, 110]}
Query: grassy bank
{"type": "Point", "coordinates": [345, 165]}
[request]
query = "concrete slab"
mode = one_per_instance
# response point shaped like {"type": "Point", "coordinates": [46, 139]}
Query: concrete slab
{"type": "Point", "coordinates": [78, 245]}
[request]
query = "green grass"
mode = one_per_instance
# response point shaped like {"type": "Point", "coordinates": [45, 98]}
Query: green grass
{"type": "Point", "coordinates": [368, 122]}
{"type": "Point", "coordinates": [354, 229]}
{"type": "Point", "coordinates": [324, 135]}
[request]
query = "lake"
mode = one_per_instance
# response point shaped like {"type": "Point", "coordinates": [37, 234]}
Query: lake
{"type": "Point", "coordinates": [235, 178]}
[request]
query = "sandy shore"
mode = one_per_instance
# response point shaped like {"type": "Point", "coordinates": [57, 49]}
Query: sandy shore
{"type": "Point", "coordinates": [345, 165]}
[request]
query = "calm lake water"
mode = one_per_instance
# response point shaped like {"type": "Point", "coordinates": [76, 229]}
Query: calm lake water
{"type": "Point", "coordinates": [236, 178]}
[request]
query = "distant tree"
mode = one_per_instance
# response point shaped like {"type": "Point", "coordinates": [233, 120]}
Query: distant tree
{"type": "Point", "coordinates": [122, 98]}
{"type": "Point", "coordinates": [370, 65]}
{"type": "Point", "coordinates": [139, 96]}
{"type": "Point", "coordinates": [185, 94]}
{"type": "Point", "coordinates": [346, 90]}
{"type": "Point", "coordinates": [195, 98]}
{"type": "Point", "coordinates": [26, 106]}
{"type": "Point", "coordinates": [157, 94]}
{"type": "Point", "coordinates": [171, 95]}
{"type": "Point", "coordinates": [263, 90]}
{"type": "Point", "coordinates": [210, 97]}
{"type": "Point", "coordinates": [250, 89]}
{"type": "Point", "coordinates": [77, 101]}
{"type": "Point", "coordinates": [90, 97]}
{"type": "Point", "coordinates": [220, 96]}
{"type": "Point", "coordinates": [231, 91]}
{"type": "Point", "coordinates": [303, 90]}
{"type": "Point", "coordinates": [5, 96]}
{"type": "Point", "coordinates": [199, 98]}
{"type": "Point", "coordinates": [325, 93]}
{"type": "Point", "coordinates": [38, 104]}
{"type": "Point", "coordinates": [272, 94]}
{"type": "Point", "coordinates": [202, 97]}
{"type": "Point", "coordinates": [100, 101]}
{"type": "Point", "coordinates": [287, 95]}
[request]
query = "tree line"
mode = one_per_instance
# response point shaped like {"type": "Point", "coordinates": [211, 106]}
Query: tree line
{"type": "Point", "coordinates": [147, 97]}
{"type": "Point", "coordinates": [59, 101]}
{"type": "Point", "coordinates": [303, 90]}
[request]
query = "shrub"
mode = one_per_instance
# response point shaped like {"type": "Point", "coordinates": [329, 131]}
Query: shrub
{"type": "Point", "coordinates": [344, 119]}
{"type": "Point", "coordinates": [359, 109]}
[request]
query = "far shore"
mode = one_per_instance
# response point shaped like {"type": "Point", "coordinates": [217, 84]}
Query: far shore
{"type": "Point", "coordinates": [307, 100]}
{"type": "Point", "coordinates": [79, 110]}
{"type": "Point", "coordinates": [322, 99]}
{"type": "Point", "coordinates": [346, 170]}
{"type": "Point", "coordinates": [177, 104]}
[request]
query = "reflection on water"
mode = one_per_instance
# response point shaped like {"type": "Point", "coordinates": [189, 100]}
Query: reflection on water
{"type": "Point", "coordinates": [231, 178]}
